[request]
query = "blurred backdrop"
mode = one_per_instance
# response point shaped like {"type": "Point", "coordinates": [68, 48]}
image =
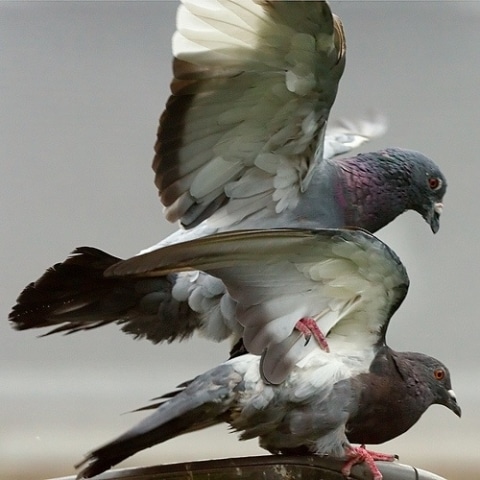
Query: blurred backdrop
{"type": "Point", "coordinates": [82, 87]}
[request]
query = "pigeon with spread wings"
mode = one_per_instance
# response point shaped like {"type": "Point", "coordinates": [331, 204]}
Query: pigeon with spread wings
{"type": "Point", "coordinates": [362, 391]}
{"type": "Point", "coordinates": [243, 143]}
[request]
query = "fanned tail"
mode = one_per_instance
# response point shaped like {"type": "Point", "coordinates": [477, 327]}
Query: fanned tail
{"type": "Point", "coordinates": [75, 292]}
{"type": "Point", "coordinates": [75, 295]}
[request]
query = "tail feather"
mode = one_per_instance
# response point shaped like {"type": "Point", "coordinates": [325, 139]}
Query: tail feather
{"type": "Point", "coordinates": [75, 295]}
{"type": "Point", "coordinates": [203, 402]}
{"type": "Point", "coordinates": [74, 289]}
{"type": "Point", "coordinates": [127, 445]}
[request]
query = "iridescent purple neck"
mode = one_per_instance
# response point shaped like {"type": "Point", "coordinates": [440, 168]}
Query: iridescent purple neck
{"type": "Point", "coordinates": [372, 193]}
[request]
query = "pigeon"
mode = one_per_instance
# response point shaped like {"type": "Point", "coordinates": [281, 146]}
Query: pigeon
{"type": "Point", "coordinates": [243, 140]}
{"type": "Point", "coordinates": [361, 391]}
{"type": "Point", "coordinates": [243, 143]}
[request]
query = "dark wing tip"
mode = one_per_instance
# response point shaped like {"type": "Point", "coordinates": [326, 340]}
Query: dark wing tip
{"type": "Point", "coordinates": [94, 466]}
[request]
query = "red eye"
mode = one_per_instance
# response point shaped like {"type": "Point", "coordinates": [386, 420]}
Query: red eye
{"type": "Point", "coordinates": [439, 374]}
{"type": "Point", "coordinates": [434, 183]}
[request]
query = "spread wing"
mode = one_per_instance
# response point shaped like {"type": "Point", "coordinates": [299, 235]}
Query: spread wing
{"type": "Point", "coordinates": [254, 81]}
{"type": "Point", "coordinates": [349, 281]}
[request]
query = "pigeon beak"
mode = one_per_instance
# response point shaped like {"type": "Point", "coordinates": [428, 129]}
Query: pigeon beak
{"type": "Point", "coordinates": [452, 404]}
{"type": "Point", "coordinates": [433, 217]}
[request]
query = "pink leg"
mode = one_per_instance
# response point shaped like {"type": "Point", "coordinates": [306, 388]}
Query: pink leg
{"type": "Point", "coordinates": [308, 326]}
{"type": "Point", "coordinates": [362, 455]}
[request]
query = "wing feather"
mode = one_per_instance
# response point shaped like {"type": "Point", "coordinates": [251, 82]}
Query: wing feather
{"type": "Point", "coordinates": [254, 78]}
{"type": "Point", "coordinates": [347, 280]}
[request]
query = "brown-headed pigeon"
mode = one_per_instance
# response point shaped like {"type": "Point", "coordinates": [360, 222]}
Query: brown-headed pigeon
{"type": "Point", "coordinates": [361, 391]}
{"type": "Point", "coordinates": [243, 143]}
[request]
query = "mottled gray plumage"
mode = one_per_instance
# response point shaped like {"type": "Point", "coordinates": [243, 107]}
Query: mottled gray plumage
{"type": "Point", "coordinates": [243, 143]}
{"type": "Point", "coordinates": [361, 391]}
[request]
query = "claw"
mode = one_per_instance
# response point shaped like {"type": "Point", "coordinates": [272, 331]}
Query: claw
{"type": "Point", "coordinates": [308, 326]}
{"type": "Point", "coordinates": [360, 454]}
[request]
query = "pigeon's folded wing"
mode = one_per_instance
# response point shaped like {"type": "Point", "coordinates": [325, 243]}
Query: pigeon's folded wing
{"type": "Point", "coordinates": [254, 84]}
{"type": "Point", "coordinates": [347, 280]}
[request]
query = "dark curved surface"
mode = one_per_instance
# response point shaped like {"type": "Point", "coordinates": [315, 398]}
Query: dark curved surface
{"type": "Point", "coordinates": [268, 467]}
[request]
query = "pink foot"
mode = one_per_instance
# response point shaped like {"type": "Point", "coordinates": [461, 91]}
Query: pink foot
{"type": "Point", "coordinates": [362, 455]}
{"type": "Point", "coordinates": [308, 326]}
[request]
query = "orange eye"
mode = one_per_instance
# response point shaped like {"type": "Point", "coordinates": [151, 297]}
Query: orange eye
{"type": "Point", "coordinates": [439, 374]}
{"type": "Point", "coordinates": [434, 183]}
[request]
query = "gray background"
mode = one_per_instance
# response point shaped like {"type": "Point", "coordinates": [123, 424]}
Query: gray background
{"type": "Point", "coordinates": [82, 87]}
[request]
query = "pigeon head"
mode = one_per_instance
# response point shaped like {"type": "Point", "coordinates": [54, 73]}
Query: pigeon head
{"type": "Point", "coordinates": [428, 185]}
{"type": "Point", "coordinates": [376, 187]}
{"type": "Point", "coordinates": [429, 378]}
{"type": "Point", "coordinates": [396, 392]}
{"type": "Point", "coordinates": [423, 183]}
